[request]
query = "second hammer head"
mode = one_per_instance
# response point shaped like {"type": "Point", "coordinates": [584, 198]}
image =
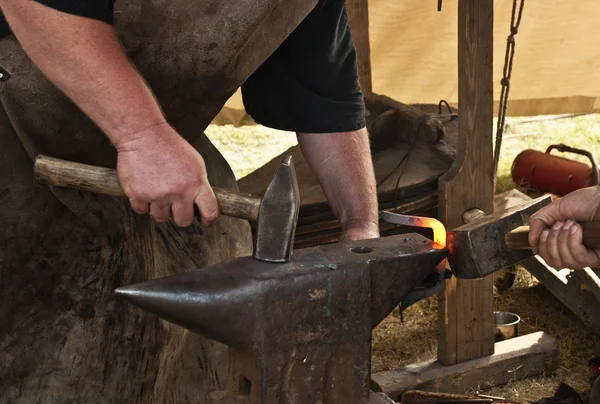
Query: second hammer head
{"type": "Point", "coordinates": [478, 249]}
{"type": "Point", "coordinates": [278, 215]}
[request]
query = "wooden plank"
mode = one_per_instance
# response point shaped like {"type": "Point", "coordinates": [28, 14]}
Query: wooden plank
{"type": "Point", "coordinates": [516, 358]}
{"type": "Point", "coordinates": [419, 396]}
{"type": "Point", "coordinates": [466, 306]}
{"type": "Point", "coordinates": [358, 16]}
{"type": "Point", "coordinates": [380, 398]}
{"type": "Point", "coordinates": [578, 290]}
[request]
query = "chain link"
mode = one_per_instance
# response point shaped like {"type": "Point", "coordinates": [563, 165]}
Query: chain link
{"type": "Point", "coordinates": [507, 73]}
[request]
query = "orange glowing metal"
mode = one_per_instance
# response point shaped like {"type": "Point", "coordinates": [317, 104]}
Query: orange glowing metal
{"type": "Point", "coordinates": [439, 231]}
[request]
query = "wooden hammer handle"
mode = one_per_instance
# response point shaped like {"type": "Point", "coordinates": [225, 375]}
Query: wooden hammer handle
{"type": "Point", "coordinates": [517, 239]}
{"type": "Point", "coordinates": [104, 181]}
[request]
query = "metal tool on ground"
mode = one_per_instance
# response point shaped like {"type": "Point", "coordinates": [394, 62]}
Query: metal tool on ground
{"type": "Point", "coordinates": [275, 214]}
{"type": "Point", "coordinates": [301, 330]}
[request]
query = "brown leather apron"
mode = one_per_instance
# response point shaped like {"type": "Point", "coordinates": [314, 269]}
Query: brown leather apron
{"type": "Point", "coordinates": [63, 336]}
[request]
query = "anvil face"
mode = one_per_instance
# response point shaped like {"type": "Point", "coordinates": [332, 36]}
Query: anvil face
{"type": "Point", "coordinates": [307, 296]}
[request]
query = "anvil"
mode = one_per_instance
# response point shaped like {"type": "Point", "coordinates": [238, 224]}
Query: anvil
{"type": "Point", "coordinates": [300, 331]}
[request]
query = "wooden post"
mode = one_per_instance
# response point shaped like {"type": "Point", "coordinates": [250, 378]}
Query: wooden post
{"type": "Point", "coordinates": [358, 16]}
{"type": "Point", "coordinates": [466, 307]}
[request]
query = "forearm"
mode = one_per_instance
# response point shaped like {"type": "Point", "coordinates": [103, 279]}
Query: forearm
{"type": "Point", "coordinates": [84, 59]}
{"type": "Point", "coordinates": [343, 165]}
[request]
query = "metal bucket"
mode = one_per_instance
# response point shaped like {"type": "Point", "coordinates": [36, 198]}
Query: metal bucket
{"type": "Point", "coordinates": [506, 325]}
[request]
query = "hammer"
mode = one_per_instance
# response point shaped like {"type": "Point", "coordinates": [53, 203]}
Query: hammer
{"type": "Point", "coordinates": [275, 214]}
{"type": "Point", "coordinates": [496, 241]}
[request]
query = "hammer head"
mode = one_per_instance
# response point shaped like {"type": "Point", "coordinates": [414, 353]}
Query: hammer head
{"type": "Point", "coordinates": [278, 215]}
{"type": "Point", "coordinates": [477, 249]}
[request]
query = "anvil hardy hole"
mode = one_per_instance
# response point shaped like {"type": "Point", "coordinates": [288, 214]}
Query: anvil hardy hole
{"type": "Point", "coordinates": [361, 250]}
{"type": "Point", "coordinates": [245, 386]}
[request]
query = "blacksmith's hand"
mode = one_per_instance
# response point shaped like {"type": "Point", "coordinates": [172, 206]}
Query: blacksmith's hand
{"type": "Point", "coordinates": [163, 174]}
{"type": "Point", "coordinates": [554, 230]}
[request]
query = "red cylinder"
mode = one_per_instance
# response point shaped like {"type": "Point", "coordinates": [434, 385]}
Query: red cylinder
{"type": "Point", "coordinates": [549, 173]}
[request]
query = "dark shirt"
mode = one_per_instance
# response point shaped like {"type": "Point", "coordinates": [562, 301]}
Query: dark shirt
{"type": "Point", "coordinates": [309, 84]}
{"type": "Point", "coordinates": [96, 9]}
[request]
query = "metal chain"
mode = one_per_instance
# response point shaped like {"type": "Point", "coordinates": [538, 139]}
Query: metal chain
{"type": "Point", "coordinates": [508, 65]}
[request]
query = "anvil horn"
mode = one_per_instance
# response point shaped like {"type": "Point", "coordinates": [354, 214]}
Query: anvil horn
{"type": "Point", "coordinates": [202, 300]}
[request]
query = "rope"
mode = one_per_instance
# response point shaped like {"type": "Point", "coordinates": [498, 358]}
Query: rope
{"type": "Point", "coordinates": [507, 73]}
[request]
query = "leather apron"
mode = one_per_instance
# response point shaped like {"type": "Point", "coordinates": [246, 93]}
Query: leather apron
{"type": "Point", "coordinates": [64, 338]}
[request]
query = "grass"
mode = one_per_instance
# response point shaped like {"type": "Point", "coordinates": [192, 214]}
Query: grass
{"type": "Point", "coordinates": [396, 344]}
{"type": "Point", "coordinates": [248, 148]}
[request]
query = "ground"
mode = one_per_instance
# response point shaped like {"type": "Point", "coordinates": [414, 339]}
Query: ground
{"type": "Point", "coordinates": [396, 344]}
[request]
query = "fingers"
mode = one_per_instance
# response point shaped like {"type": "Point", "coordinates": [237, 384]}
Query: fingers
{"type": "Point", "coordinates": [139, 207]}
{"type": "Point", "coordinates": [208, 206]}
{"type": "Point", "coordinates": [562, 247]}
{"type": "Point", "coordinates": [183, 213]}
{"type": "Point", "coordinates": [581, 206]}
{"type": "Point", "coordinates": [548, 245]}
{"type": "Point", "coordinates": [566, 254]}
{"type": "Point", "coordinates": [542, 220]}
{"type": "Point", "coordinates": [536, 227]}
{"type": "Point", "coordinates": [160, 212]}
{"type": "Point", "coordinates": [181, 210]}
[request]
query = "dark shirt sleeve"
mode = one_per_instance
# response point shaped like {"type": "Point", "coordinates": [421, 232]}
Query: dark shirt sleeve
{"type": "Point", "coordinates": [102, 10]}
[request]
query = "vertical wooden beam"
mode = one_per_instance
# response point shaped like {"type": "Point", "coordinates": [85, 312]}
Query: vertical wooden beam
{"type": "Point", "coordinates": [358, 16]}
{"type": "Point", "coordinates": [466, 306]}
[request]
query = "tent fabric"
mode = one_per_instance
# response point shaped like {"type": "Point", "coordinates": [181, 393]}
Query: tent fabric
{"type": "Point", "coordinates": [414, 56]}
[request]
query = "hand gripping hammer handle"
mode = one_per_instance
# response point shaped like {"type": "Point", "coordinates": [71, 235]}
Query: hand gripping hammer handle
{"type": "Point", "coordinates": [68, 174]}
{"type": "Point", "coordinates": [517, 239]}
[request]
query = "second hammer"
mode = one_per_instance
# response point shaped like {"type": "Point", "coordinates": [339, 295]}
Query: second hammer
{"type": "Point", "coordinates": [275, 214]}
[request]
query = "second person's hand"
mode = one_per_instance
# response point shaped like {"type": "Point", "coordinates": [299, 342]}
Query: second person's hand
{"type": "Point", "coordinates": [557, 234]}
{"type": "Point", "coordinates": [163, 174]}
